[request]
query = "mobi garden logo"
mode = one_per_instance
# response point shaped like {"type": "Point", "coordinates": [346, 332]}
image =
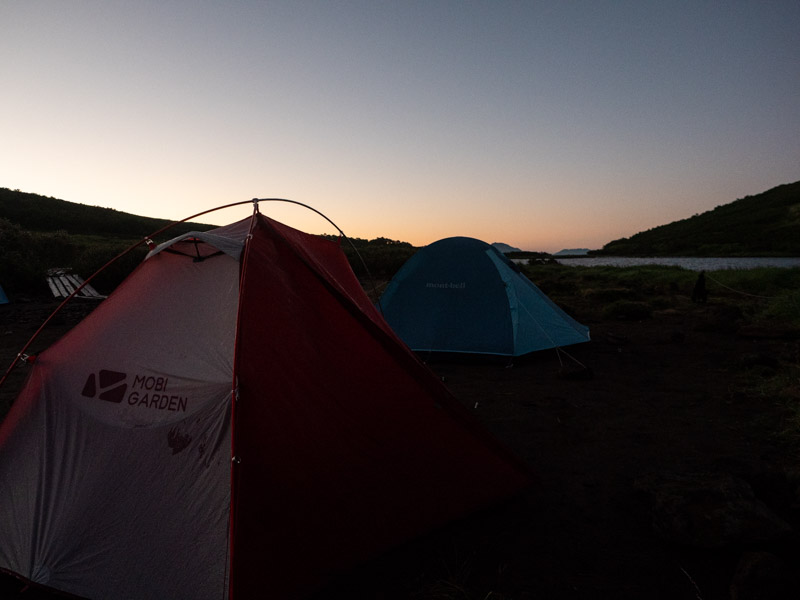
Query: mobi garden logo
{"type": "Point", "coordinates": [143, 391]}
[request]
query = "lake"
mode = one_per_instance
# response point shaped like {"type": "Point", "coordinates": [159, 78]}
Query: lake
{"type": "Point", "coordinates": [692, 264]}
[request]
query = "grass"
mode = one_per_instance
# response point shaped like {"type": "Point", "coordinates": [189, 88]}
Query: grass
{"type": "Point", "coordinates": [770, 294]}
{"type": "Point", "coordinates": [763, 295]}
{"type": "Point", "coordinates": [779, 385]}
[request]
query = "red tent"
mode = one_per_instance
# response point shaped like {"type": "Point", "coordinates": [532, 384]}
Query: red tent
{"type": "Point", "coordinates": [235, 418]}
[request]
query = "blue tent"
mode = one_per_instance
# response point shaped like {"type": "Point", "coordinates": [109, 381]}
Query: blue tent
{"type": "Point", "coordinates": [462, 295]}
{"type": "Point", "coordinates": [3, 297]}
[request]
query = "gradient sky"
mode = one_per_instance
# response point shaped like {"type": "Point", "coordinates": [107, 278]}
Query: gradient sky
{"type": "Point", "coordinates": [545, 125]}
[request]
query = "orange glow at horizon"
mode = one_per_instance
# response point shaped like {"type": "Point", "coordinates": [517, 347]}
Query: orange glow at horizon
{"type": "Point", "coordinates": [544, 128]}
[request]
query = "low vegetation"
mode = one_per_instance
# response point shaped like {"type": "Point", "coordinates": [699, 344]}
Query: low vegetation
{"type": "Point", "coordinates": [27, 256]}
{"type": "Point", "coordinates": [38, 233]}
{"type": "Point", "coordinates": [764, 295]}
{"type": "Point", "coordinates": [759, 302]}
{"type": "Point", "coordinates": [379, 258]}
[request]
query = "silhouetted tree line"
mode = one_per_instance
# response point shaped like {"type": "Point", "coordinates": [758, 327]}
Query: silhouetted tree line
{"type": "Point", "coordinates": [26, 256]}
{"type": "Point", "coordinates": [382, 257]}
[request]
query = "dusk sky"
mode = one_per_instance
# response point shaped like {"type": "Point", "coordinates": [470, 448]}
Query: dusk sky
{"type": "Point", "coordinates": [544, 125]}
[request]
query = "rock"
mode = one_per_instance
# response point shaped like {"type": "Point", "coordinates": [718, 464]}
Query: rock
{"type": "Point", "coordinates": [708, 510]}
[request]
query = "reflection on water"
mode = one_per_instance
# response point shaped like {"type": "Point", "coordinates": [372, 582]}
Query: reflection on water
{"type": "Point", "coordinates": [692, 264]}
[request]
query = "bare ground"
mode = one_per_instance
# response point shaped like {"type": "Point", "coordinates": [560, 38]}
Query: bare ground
{"type": "Point", "coordinates": [686, 391]}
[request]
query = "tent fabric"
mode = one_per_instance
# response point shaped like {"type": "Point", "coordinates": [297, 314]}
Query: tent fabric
{"type": "Point", "coordinates": [228, 240]}
{"type": "Point", "coordinates": [231, 424]}
{"type": "Point", "coordinates": [3, 297]}
{"type": "Point", "coordinates": [462, 295]}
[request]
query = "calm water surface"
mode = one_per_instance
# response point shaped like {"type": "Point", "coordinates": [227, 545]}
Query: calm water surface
{"type": "Point", "coordinates": [693, 264]}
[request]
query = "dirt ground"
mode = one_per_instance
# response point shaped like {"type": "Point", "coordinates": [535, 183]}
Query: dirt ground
{"type": "Point", "coordinates": [681, 392]}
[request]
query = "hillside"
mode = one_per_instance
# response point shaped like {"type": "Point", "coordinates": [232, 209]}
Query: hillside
{"type": "Point", "coordinates": [767, 224]}
{"type": "Point", "coordinates": [47, 214]}
{"type": "Point", "coordinates": [38, 233]}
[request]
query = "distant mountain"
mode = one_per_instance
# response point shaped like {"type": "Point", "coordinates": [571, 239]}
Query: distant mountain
{"type": "Point", "coordinates": [505, 248]}
{"type": "Point", "coordinates": [572, 252]}
{"type": "Point", "coordinates": [767, 224]}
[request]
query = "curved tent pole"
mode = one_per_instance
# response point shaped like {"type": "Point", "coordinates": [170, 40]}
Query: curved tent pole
{"type": "Point", "coordinates": [342, 233]}
{"type": "Point", "coordinates": [149, 242]}
{"type": "Point", "coordinates": [146, 240]}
